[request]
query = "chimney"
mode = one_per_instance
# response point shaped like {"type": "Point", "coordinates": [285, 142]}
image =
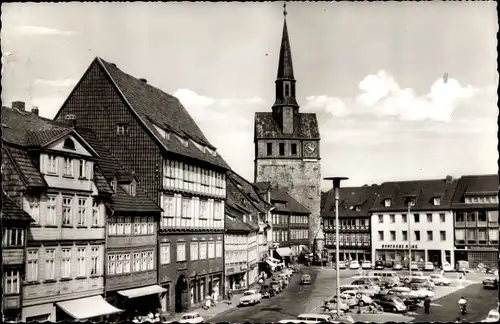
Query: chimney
{"type": "Point", "coordinates": [144, 80]}
{"type": "Point", "coordinates": [35, 110]}
{"type": "Point", "coordinates": [449, 179]}
{"type": "Point", "coordinates": [70, 119]}
{"type": "Point", "coordinates": [19, 105]}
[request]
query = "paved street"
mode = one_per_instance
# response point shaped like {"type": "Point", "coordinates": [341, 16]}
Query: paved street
{"type": "Point", "coordinates": [446, 309]}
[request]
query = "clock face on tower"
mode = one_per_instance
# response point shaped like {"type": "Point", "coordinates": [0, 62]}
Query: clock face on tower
{"type": "Point", "coordinates": [310, 147]}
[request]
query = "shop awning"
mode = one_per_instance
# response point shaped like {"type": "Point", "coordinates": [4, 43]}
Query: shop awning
{"type": "Point", "coordinates": [143, 291]}
{"type": "Point", "coordinates": [84, 308]}
{"type": "Point", "coordinates": [284, 252]}
{"type": "Point", "coordinates": [271, 264]}
{"type": "Point", "coordinates": [273, 260]}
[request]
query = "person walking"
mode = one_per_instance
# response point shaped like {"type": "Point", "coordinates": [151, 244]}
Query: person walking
{"type": "Point", "coordinates": [427, 305]}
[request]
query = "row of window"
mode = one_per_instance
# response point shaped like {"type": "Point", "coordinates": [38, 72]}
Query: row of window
{"type": "Point", "coordinates": [360, 238]}
{"type": "Point", "coordinates": [177, 174]}
{"type": "Point", "coordinates": [66, 258]}
{"type": "Point", "coordinates": [436, 201]}
{"type": "Point", "coordinates": [123, 225]}
{"type": "Point", "coordinates": [299, 220]}
{"type": "Point", "coordinates": [476, 235]}
{"type": "Point", "coordinates": [480, 215]}
{"type": "Point", "coordinates": [355, 222]}
{"type": "Point", "coordinates": [73, 168]}
{"type": "Point", "coordinates": [281, 149]}
{"type": "Point", "coordinates": [74, 210]}
{"type": "Point", "coordinates": [198, 251]}
{"type": "Point", "coordinates": [280, 219]}
{"type": "Point", "coordinates": [299, 234]}
{"type": "Point", "coordinates": [482, 200]}
{"type": "Point", "coordinates": [416, 218]}
{"type": "Point", "coordinates": [11, 282]}
{"type": "Point", "coordinates": [280, 235]}
{"type": "Point", "coordinates": [236, 256]}
{"type": "Point", "coordinates": [120, 263]}
{"type": "Point", "coordinates": [236, 239]}
{"type": "Point", "coordinates": [416, 236]}
{"type": "Point", "coordinates": [192, 207]}
{"type": "Point", "coordinates": [12, 237]}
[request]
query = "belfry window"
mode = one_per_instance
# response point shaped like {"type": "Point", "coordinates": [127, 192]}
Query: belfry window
{"type": "Point", "coordinates": [287, 90]}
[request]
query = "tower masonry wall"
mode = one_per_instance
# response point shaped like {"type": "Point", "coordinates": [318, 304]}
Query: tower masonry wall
{"type": "Point", "coordinates": [301, 179]}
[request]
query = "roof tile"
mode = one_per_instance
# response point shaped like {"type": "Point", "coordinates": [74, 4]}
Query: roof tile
{"type": "Point", "coordinates": [12, 212]}
{"type": "Point", "coordinates": [292, 205]}
{"type": "Point", "coordinates": [305, 126]}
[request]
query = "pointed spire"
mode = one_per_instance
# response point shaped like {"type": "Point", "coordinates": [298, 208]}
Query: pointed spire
{"type": "Point", "coordinates": [285, 67]}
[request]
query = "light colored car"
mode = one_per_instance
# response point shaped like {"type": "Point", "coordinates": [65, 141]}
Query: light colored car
{"type": "Point", "coordinates": [361, 299]}
{"type": "Point", "coordinates": [422, 292]}
{"type": "Point", "coordinates": [366, 265]}
{"type": "Point", "coordinates": [250, 297]}
{"type": "Point", "coordinates": [428, 266]}
{"type": "Point", "coordinates": [342, 265]}
{"type": "Point", "coordinates": [331, 304]}
{"type": "Point", "coordinates": [354, 265]}
{"type": "Point", "coordinates": [414, 266]}
{"type": "Point", "coordinates": [397, 266]}
{"type": "Point", "coordinates": [447, 267]}
{"type": "Point", "coordinates": [347, 299]}
{"type": "Point", "coordinates": [493, 317]}
{"type": "Point", "coordinates": [191, 318]}
{"type": "Point", "coordinates": [406, 292]}
{"type": "Point", "coordinates": [440, 280]}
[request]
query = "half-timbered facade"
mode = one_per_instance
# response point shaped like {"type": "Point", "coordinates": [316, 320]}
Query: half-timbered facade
{"type": "Point", "coordinates": [152, 134]}
{"type": "Point", "coordinates": [15, 222]}
{"type": "Point", "coordinates": [50, 171]}
{"type": "Point", "coordinates": [475, 211]}
{"type": "Point", "coordinates": [354, 218]}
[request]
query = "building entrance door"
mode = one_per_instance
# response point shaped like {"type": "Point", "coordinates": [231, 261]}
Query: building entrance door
{"type": "Point", "coordinates": [181, 294]}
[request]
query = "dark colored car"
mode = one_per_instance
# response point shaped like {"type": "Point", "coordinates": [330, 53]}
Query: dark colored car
{"type": "Point", "coordinates": [420, 283]}
{"type": "Point", "coordinates": [275, 286]}
{"type": "Point", "coordinates": [379, 265]}
{"type": "Point", "coordinates": [490, 283]}
{"type": "Point", "coordinates": [266, 291]}
{"type": "Point", "coordinates": [390, 303]}
{"type": "Point", "coordinates": [410, 302]}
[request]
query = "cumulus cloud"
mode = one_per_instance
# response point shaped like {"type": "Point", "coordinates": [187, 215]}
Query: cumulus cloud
{"type": "Point", "coordinates": [41, 30]}
{"type": "Point", "coordinates": [239, 102]}
{"type": "Point", "coordinates": [381, 95]}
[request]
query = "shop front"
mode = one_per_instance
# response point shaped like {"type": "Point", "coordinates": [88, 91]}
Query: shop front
{"type": "Point", "coordinates": [476, 255]}
{"type": "Point", "coordinates": [138, 301]}
{"type": "Point", "coordinates": [253, 274]}
{"type": "Point", "coordinates": [93, 308]}
{"type": "Point", "coordinates": [236, 277]}
{"type": "Point", "coordinates": [286, 254]}
{"type": "Point", "coordinates": [348, 255]}
{"type": "Point", "coordinates": [391, 253]}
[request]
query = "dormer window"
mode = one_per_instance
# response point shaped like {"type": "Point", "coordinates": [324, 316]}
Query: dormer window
{"type": "Point", "coordinates": [387, 203]}
{"type": "Point", "coordinates": [69, 144]}
{"type": "Point", "coordinates": [114, 185]}
{"type": "Point", "coordinates": [437, 201]}
{"type": "Point", "coordinates": [183, 141]}
{"type": "Point", "coordinates": [358, 208]}
{"type": "Point", "coordinates": [121, 129]}
{"type": "Point", "coordinates": [411, 201]}
{"type": "Point", "coordinates": [132, 188]}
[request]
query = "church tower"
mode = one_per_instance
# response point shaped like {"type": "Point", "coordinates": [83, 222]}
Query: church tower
{"type": "Point", "coordinates": [287, 143]}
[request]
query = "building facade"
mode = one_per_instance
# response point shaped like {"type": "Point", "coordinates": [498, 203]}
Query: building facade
{"type": "Point", "coordinates": [429, 225]}
{"type": "Point", "coordinates": [152, 134]}
{"type": "Point", "coordinates": [287, 143]}
{"type": "Point", "coordinates": [15, 223]}
{"type": "Point", "coordinates": [51, 172]}
{"type": "Point", "coordinates": [236, 250]}
{"type": "Point", "coordinates": [354, 217]}
{"type": "Point", "coordinates": [475, 210]}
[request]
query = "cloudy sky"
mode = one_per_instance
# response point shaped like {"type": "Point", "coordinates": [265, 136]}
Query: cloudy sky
{"type": "Point", "coordinates": [401, 90]}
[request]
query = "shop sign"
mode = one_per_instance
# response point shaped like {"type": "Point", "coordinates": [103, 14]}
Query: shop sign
{"type": "Point", "coordinates": [398, 246]}
{"type": "Point", "coordinates": [481, 248]}
{"type": "Point", "coordinates": [181, 265]}
{"type": "Point", "coordinates": [231, 270]}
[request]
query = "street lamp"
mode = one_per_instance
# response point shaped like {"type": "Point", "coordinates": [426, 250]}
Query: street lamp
{"type": "Point", "coordinates": [336, 192]}
{"type": "Point", "coordinates": [409, 200]}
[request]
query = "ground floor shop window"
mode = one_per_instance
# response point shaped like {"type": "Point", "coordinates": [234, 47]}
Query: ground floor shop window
{"type": "Point", "coordinates": [38, 318]}
{"type": "Point", "coordinates": [237, 281]}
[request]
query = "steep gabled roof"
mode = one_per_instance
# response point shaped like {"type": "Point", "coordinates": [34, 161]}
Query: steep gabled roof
{"type": "Point", "coordinates": [236, 182]}
{"type": "Point", "coordinates": [234, 225]}
{"type": "Point", "coordinates": [475, 185]}
{"type": "Point", "coordinates": [350, 197]}
{"type": "Point", "coordinates": [423, 190]}
{"type": "Point", "coordinates": [305, 127]}
{"type": "Point", "coordinates": [22, 162]}
{"type": "Point", "coordinates": [11, 212]}
{"type": "Point", "coordinates": [154, 107]}
{"type": "Point", "coordinates": [292, 205]}
{"type": "Point", "coordinates": [122, 202]}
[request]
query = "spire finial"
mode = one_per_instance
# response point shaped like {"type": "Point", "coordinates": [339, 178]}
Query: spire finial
{"type": "Point", "coordinates": [284, 9]}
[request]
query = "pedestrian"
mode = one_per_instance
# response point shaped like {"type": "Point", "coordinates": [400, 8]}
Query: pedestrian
{"type": "Point", "coordinates": [427, 304]}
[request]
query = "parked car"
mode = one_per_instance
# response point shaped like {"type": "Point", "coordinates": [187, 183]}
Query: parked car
{"type": "Point", "coordinates": [305, 279]}
{"type": "Point", "coordinates": [439, 280]}
{"type": "Point", "coordinates": [390, 303]}
{"type": "Point", "coordinates": [361, 299]}
{"type": "Point", "coordinates": [409, 300]}
{"type": "Point", "coordinates": [447, 267]}
{"type": "Point", "coordinates": [414, 265]}
{"type": "Point", "coordinates": [366, 265]}
{"type": "Point", "coordinates": [354, 265]}
{"type": "Point", "coordinates": [421, 283]}
{"type": "Point", "coordinates": [490, 283]}
{"type": "Point", "coordinates": [191, 318]}
{"type": "Point", "coordinates": [379, 265]}
{"type": "Point", "coordinates": [388, 282]}
{"type": "Point", "coordinates": [346, 299]}
{"type": "Point", "coordinates": [266, 291]}
{"type": "Point", "coordinates": [397, 266]}
{"type": "Point", "coordinates": [422, 292]}
{"type": "Point", "coordinates": [493, 317]}
{"type": "Point", "coordinates": [342, 265]}
{"type": "Point", "coordinates": [331, 304]}
{"type": "Point", "coordinates": [275, 286]}
{"type": "Point", "coordinates": [462, 266]}
{"type": "Point", "coordinates": [367, 284]}
{"type": "Point", "coordinates": [428, 266]}
{"type": "Point", "coordinates": [404, 291]}
{"type": "Point", "coordinates": [250, 297]}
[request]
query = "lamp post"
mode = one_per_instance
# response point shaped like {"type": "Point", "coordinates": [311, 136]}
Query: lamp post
{"type": "Point", "coordinates": [408, 219]}
{"type": "Point", "coordinates": [336, 192]}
